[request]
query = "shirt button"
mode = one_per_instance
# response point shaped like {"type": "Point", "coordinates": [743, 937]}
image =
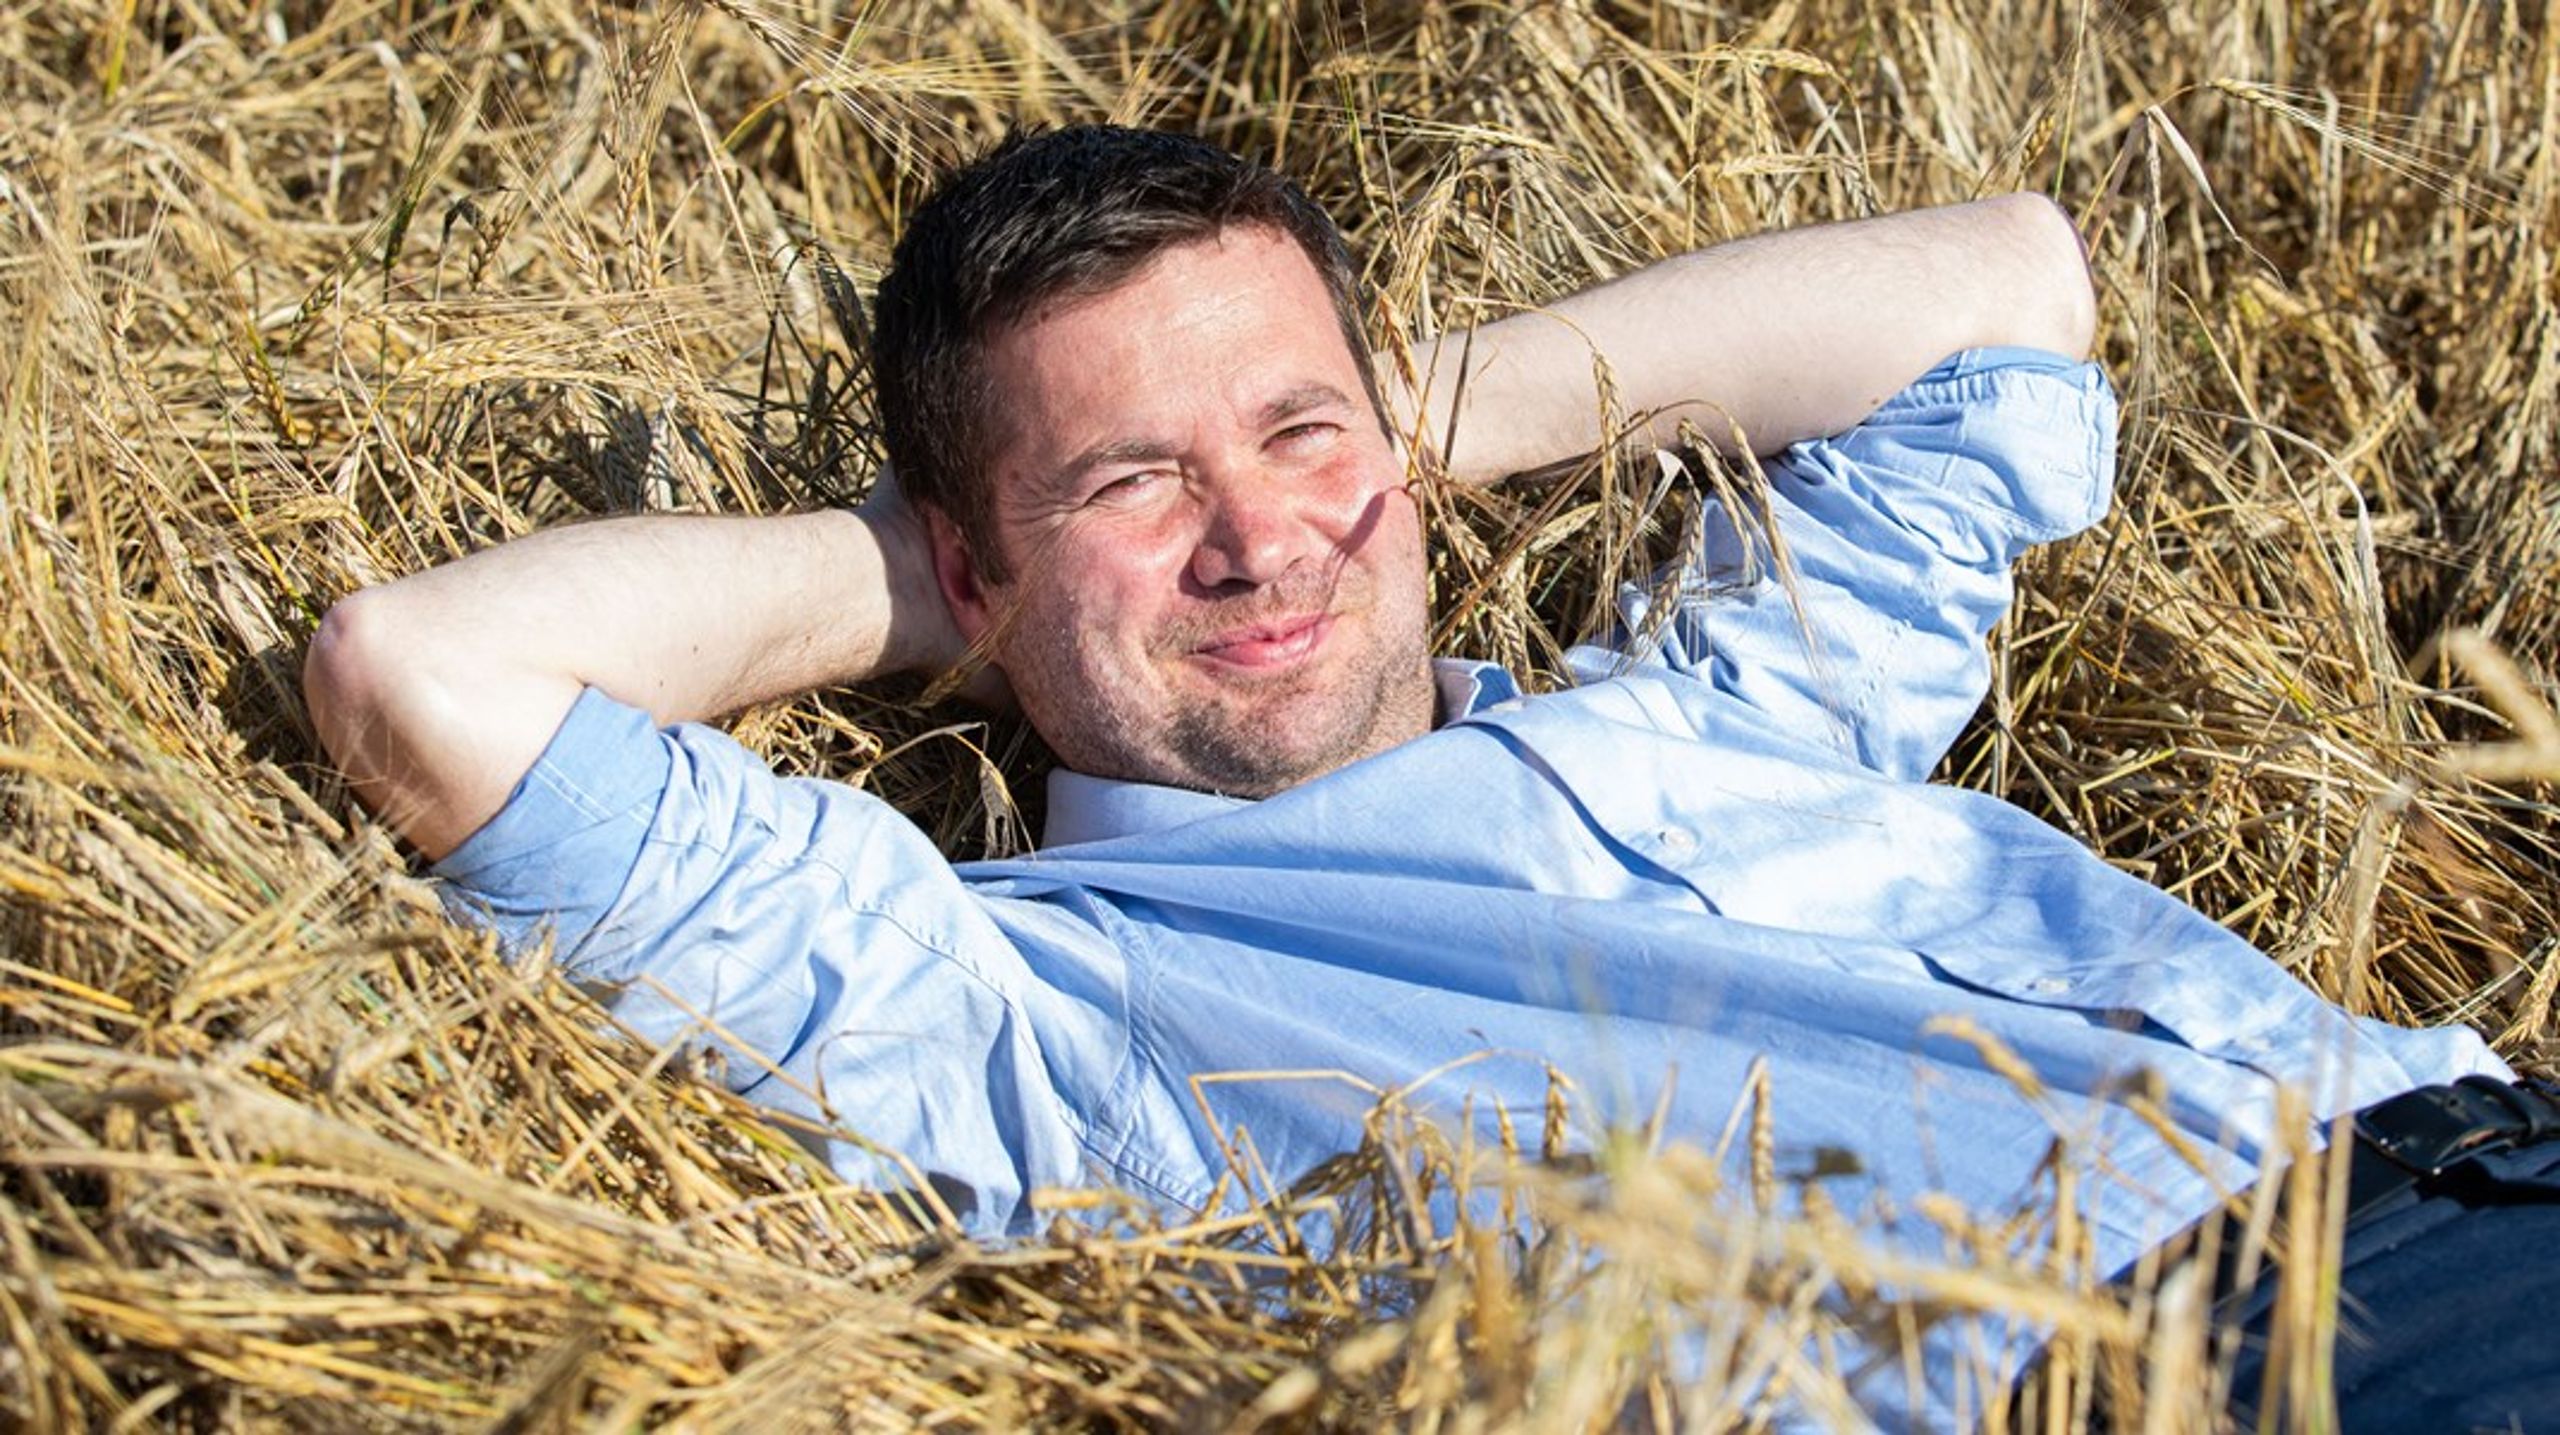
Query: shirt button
{"type": "Point", "coordinates": [2049, 986]}
{"type": "Point", "coordinates": [1675, 839]}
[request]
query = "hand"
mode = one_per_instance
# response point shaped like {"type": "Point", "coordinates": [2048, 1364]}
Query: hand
{"type": "Point", "coordinates": [922, 637]}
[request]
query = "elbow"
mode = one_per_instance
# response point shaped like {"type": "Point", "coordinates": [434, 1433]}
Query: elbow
{"type": "Point", "coordinates": [426, 737]}
{"type": "Point", "coordinates": [346, 672]}
{"type": "Point", "coordinates": [367, 673]}
{"type": "Point", "coordinates": [2054, 306]}
{"type": "Point", "coordinates": [364, 684]}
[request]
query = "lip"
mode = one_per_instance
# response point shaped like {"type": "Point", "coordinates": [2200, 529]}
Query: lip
{"type": "Point", "coordinates": [1276, 643]}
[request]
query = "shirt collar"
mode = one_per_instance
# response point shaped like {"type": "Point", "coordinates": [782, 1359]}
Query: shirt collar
{"type": "Point", "coordinates": [1094, 809]}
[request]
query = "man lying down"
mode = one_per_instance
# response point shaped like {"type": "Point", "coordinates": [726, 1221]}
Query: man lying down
{"type": "Point", "coordinates": [1151, 470]}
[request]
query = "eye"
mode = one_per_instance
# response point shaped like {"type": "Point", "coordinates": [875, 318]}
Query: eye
{"type": "Point", "coordinates": [1305, 435]}
{"type": "Point", "coordinates": [1126, 489]}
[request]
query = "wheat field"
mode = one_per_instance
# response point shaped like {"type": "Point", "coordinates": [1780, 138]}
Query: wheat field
{"type": "Point", "coordinates": [301, 295]}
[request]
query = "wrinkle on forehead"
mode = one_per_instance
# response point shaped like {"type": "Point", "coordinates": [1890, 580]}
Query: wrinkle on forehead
{"type": "Point", "coordinates": [1204, 307]}
{"type": "Point", "coordinates": [1091, 383]}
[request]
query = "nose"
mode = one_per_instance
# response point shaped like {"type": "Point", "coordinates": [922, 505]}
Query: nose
{"type": "Point", "coordinates": [1254, 528]}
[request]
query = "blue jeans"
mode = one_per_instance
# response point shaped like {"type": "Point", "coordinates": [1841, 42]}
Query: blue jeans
{"type": "Point", "coordinates": [2449, 1312]}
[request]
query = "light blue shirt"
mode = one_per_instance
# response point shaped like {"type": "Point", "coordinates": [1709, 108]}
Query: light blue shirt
{"type": "Point", "coordinates": [1715, 853]}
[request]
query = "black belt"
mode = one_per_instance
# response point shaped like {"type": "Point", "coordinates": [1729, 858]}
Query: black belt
{"type": "Point", "coordinates": [2432, 1136]}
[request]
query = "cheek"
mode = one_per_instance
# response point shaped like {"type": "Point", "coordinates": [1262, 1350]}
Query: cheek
{"type": "Point", "coordinates": [1383, 520]}
{"type": "Point", "coordinates": [1105, 592]}
{"type": "Point", "coordinates": [1114, 570]}
{"type": "Point", "coordinates": [1371, 480]}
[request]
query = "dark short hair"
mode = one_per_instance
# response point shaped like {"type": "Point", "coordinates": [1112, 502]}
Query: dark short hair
{"type": "Point", "coordinates": [1046, 215]}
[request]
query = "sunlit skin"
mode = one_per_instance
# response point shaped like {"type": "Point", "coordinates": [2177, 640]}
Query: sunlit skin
{"type": "Point", "coordinates": [1217, 572]}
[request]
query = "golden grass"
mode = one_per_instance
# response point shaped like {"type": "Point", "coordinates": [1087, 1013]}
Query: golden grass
{"type": "Point", "coordinates": [300, 297]}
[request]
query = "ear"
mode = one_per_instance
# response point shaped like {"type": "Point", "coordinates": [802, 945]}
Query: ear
{"type": "Point", "coordinates": [956, 574]}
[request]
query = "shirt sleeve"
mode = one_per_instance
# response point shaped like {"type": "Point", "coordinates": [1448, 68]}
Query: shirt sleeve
{"type": "Point", "coordinates": [811, 941]}
{"type": "Point", "coordinates": [1861, 623]}
{"type": "Point", "coordinates": [562, 848]}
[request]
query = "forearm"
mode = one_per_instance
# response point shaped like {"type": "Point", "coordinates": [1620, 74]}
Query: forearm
{"type": "Point", "coordinates": [435, 693]}
{"type": "Point", "coordinates": [1760, 342]}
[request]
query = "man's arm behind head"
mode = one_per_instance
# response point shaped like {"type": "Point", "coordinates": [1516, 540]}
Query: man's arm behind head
{"type": "Point", "coordinates": [436, 693]}
{"type": "Point", "coordinates": [1759, 342]}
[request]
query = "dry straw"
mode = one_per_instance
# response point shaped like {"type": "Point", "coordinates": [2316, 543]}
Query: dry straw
{"type": "Point", "coordinates": [299, 297]}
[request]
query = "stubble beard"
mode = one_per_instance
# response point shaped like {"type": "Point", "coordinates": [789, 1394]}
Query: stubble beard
{"type": "Point", "coordinates": [1315, 721]}
{"type": "Point", "coordinates": [1253, 739]}
{"type": "Point", "coordinates": [1387, 700]}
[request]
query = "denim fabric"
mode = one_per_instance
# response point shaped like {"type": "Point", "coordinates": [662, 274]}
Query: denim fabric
{"type": "Point", "coordinates": [2445, 1299]}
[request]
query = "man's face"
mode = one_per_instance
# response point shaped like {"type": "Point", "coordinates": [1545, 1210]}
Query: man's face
{"type": "Point", "coordinates": [1217, 575]}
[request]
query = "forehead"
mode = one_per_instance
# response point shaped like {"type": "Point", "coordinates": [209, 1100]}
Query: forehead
{"type": "Point", "coordinates": [1206, 330]}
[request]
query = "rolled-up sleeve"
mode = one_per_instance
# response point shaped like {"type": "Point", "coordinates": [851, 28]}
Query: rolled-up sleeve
{"type": "Point", "coordinates": [1861, 623]}
{"type": "Point", "coordinates": [556, 857]}
{"type": "Point", "coordinates": [809, 938]}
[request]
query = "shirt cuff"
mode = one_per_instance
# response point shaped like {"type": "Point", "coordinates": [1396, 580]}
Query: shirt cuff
{"type": "Point", "coordinates": [2027, 437]}
{"type": "Point", "coordinates": [558, 854]}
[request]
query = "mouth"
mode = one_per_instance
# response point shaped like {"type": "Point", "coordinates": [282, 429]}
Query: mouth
{"type": "Point", "coordinates": [1268, 645]}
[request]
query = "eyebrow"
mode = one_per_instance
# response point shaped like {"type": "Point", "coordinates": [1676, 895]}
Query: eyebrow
{"type": "Point", "coordinates": [1064, 479]}
{"type": "Point", "coordinates": [1304, 399]}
